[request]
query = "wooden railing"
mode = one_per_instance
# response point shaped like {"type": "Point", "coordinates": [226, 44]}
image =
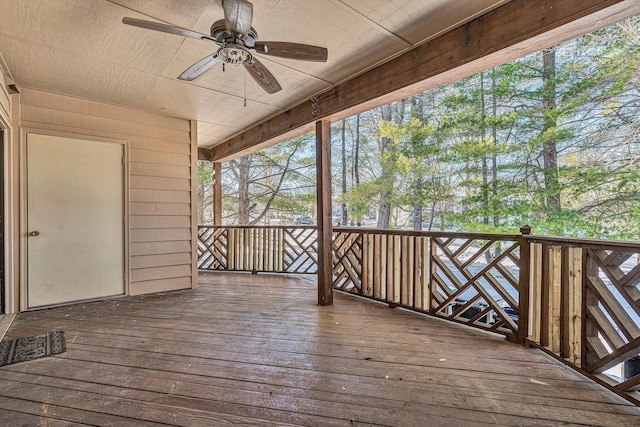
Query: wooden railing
{"type": "Point", "coordinates": [272, 249]}
{"type": "Point", "coordinates": [585, 306]}
{"type": "Point", "coordinates": [466, 278]}
{"type": "Point", "coordinates": [576, 299]}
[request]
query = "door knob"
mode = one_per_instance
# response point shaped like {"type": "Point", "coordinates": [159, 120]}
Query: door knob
{"type": "Point", "coordinates": [34, 233]}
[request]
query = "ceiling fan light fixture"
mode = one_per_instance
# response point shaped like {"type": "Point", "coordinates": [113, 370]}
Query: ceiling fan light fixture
{"type": "Point", "coordinates": [235, 54]}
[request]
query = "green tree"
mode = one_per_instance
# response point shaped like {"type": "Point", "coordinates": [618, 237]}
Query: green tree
{"type": "Point", "coordinates": [278, 180]}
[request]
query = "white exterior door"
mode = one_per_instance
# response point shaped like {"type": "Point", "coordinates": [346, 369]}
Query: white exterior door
{"type": "Point", "coordinates": [75, 211]}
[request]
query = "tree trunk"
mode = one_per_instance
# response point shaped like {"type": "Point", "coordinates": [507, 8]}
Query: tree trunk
{"type": "Point", "coordinates": [276, 191]}
{"type": "Point", "coordinates": [432, 215]}
{"type": "Point", "coordinates": [494, 154]}
{"type": "Point", "coordinates": [384, 208]}
{"type": "Point", "coordinates": [356, 157]}
{"type": "Point", "coordinates": [549, 143]}
{"type": "Point", "coordinates": [418, 113]}
{"type": "Point", "coordinates": [244, 208]}
{"type": "Point", "coordinates": [485, 167]}
{"type": "Point", "coordinates": [344, 172]}
{"type": "Point", "coordinates": [201, 192]}
{"type": "Point", "coordinates": [494, 160]}
{"type": "Point", "coordinates": [417, 212]}
{"type": "Point", "coordinates": [205, 192]}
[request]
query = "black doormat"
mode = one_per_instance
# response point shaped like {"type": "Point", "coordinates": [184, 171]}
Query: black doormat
{"type": "Point", "coordinates": [30, 348]}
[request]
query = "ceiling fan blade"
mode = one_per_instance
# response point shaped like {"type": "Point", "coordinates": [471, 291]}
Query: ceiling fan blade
{"type": "Point", "coordinates": [303, 52]}
{"type": "Point", "coordinates": [262, 76]}
{"type": "Point", "coordinates": [157, 26]}
{"type": "Point", "coordinates": [200, 67]}
{"type": "Point", "coordinates": [238, 15]}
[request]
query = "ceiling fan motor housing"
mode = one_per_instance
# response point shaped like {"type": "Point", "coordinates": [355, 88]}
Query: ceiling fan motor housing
{"type": "Point", "coordinates": [220, 33]}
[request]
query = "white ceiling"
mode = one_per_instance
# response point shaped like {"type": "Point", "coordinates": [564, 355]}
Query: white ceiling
{"type": "Point", "coordinates": [81, 48]}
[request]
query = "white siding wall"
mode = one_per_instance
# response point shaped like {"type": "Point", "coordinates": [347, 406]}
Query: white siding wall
{"type": "Point", "coordinates": [162, 163]}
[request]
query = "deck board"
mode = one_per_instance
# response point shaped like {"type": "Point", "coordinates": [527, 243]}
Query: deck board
{"type": "Point", "coordinates": [258, 350]}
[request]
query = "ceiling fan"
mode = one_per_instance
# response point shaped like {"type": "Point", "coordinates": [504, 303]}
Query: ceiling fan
{"type": "Point", "coordinates": [236, 39]}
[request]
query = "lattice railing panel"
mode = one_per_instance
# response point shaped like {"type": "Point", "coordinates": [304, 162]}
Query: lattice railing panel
{"type": "Point", "coordinates": [258, 249]}
{"type": "Point", "coordinates": [212, 248]}
{"type": "Point", "coordinates": [612, 317]}
{"type": "Point", "coordinates": [300, 249]}
{"type": "Point", "coordinates": [347, 262]}
{"type": "Point", "coordinates": [475, 282]}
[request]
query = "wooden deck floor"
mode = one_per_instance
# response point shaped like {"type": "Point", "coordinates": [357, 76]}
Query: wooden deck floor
{"type": "Point", "coordinates": [257, 350]}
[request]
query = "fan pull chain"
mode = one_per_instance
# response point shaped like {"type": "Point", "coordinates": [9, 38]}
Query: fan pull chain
{"type": "Point", "coordinates": [223, 67]}
{"type": "Point", "coordinates": [245, 87]}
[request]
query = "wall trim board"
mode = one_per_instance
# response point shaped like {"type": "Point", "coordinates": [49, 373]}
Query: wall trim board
{"type": "Point", "coordinates": [194, 207]}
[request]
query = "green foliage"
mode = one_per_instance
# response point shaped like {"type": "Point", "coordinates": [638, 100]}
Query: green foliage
{"type": "Point", "coordinates": [361, 199]}
{"type": "Point", "coordinates": [556, 148]}
{"type": "Point", "coordinates": [272, 185]}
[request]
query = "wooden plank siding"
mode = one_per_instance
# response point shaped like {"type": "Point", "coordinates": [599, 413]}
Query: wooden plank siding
{"type": "Point", "coordinates": [160, 174]}
{"type": "Point", "coordinates": [258, 351]}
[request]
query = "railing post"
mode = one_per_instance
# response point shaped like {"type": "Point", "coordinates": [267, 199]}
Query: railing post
{"type": "Point", "coordinates": [364, 271]}
{"type": "Point", "coordinates": [433, 252]}
{"type": "Point", "coordinates": [565, 309]}
{"type": "Point", "coordinates": [572, 313]}
{"type": "Point", "coordinates": [524, 284]}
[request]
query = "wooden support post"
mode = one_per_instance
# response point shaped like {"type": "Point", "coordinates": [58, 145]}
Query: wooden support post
{"type": "Point", "coordinates": [535, 291]}
{"type": "Point", "coordinates": [325, 229]}
{"type": "Point", "coordinates": [433, 269]}
{"type": "Point", "coordinates": [544, 295]}
{"type": "Point", "coordinates": [555, 298]}
{"type": "Point", "coordinates": [364, 264]}
{"type": "Point", "coordinates": [426, 275]}
{"type": "Point", "coordinates": [524, 285]}
{"type": "Point", "coordinates": [217, 194]}
{"type": "Point", "coordinates": [565, 312]}
{"type": "Point", "coordinates": [570, 328]}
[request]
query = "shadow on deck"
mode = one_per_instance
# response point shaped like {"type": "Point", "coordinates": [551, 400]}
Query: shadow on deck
{"type": "Point", "coordinates": [257, 350]}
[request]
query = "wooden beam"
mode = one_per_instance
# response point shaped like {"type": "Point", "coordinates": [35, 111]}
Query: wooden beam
{"type": "Point", "coordinates": [511, 31]}
{"type": "Point", "coordinates": [325, 228]}
{"type": "Point", "coordinates": [217, 194]}
{"type": "Point", "coordinates": [204, 153]}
